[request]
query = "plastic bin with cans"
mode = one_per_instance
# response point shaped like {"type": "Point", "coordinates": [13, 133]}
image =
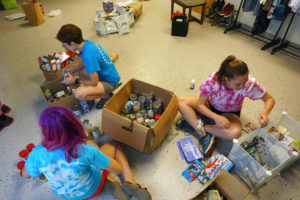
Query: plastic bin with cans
{"type": "Point", "coordinates": [277, 155]}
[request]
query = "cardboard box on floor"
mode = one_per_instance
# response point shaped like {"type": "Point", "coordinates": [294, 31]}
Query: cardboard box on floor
{"type": "Point", "coordinates": [230, 187]}
{"type": "Point", "coordinates": [50, 76]}
{"type": "Point", "coordinates": [137, 9]}
{"type": "Point", "coordinates": [56, 86]}
{"type": "Point", "coordinates": [140, 137]}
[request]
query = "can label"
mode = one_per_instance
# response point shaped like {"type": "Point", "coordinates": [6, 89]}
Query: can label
{"type": "Point", "coordinates": [142, 100]}
{"type": "Point", "coordinates": [128, 107]}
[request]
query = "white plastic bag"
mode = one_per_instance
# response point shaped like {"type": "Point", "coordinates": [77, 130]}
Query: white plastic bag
{"type": "Point", "coordinates": [122, 23]}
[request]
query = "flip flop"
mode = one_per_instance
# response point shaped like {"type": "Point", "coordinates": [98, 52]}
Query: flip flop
{"type": "Point", "coordinates": [136, 190]}
{"type": "Point", "coordinates": [115, 190]}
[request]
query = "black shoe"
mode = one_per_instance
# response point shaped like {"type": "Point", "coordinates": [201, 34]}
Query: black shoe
{"type": "Point", "coordinates": [206, 144]}
{"type": "Point", "coordinates": [184, 126]}
{"type": "Point", "coordinates": [102, 102]}
{"type": "Point", "coordinates": [6, 122]}
{"type": "Point", "coordinates": [90, 104]}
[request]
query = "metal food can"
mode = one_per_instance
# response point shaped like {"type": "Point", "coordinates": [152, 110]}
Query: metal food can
{"type": "Point", "coordinates": [150, 114]}
{"type": "Point", "coordinates": [128, 107]}
{"type": "Point", "coordinates": [47, 93]}
{"type": "Point", "coordinates": [142, 100]}
{"type": "Point", "coordinates": [139, 115]}
{"type": "Point", "coordinates": [133, 97]}
{"type": "Point", "coordinates": [144, 113]}
{"type": "Point", "coordinates": [77, 111]}
{"type": "Point", "coordinates": [151, 122]}
{"type": "Point", "coordinates": [64, 74]}
{"type": "Point", "coordinates": [84, 106]}
{"type": "Point", "coordinates": [136, 106]}
{"type": "Point", "coordinates": [140, 120]}
{"type": "Point", "coordinates": [157, 106]}
{"type": "Point", "coordinates": [70, 89]}
{"type": "Point", "coordinates": [149, 99]}
{"type": "Point", "coordinates": [132, 116]}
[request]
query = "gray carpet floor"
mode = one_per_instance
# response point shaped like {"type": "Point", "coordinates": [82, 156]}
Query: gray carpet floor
{"type": "Point", "coordinates": [149, 53]}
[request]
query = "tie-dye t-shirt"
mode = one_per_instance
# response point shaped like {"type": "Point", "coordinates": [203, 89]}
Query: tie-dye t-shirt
{"type": "Point", "coordinates": [229, 100]}
{"type": "Point", "coordinates": [78, 179]}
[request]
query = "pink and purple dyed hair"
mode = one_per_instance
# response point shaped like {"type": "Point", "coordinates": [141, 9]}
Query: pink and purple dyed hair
{"type": "Point", "coordinates": [61, 129]}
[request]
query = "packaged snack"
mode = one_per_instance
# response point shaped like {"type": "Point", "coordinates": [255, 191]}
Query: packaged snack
{"type": "Point", "coordinates": [193, 170]}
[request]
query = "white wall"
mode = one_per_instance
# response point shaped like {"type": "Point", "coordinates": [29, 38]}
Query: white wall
{"type": "Point", "coordinates": [248, 19]}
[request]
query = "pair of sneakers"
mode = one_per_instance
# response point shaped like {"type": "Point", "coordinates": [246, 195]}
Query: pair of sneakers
{"type": "Point", "coordinates": [4, 119]}
{"type": "Point", "coordinates": [206, 143]}
{"type": "Point", "coordinates": [100, 103]}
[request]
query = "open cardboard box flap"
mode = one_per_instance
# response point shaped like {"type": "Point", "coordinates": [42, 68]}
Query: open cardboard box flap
{"type": "Point", "coordinates": [135, 135]}
{"type": "Point", "coordinates": [231, 187]}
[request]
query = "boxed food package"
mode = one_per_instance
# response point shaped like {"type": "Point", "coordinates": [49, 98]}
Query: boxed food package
{"type": "Point", "coordinates": [141, 138]}
{"type": "Point", "coordinates": [272, 155]}
{"type": "Point", "coordinates": [65, 98]}
{"type": "Point", "coordinates": [51, 65]}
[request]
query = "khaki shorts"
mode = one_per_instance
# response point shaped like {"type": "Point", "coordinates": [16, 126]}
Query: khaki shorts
{"type": "Point", "coordinates": [108, 87]}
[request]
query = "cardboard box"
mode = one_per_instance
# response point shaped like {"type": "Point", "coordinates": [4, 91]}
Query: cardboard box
{"type": "Point", "coordinates": [33, 12]}
{"type": "Point", "coordinates": [51, 76]}
{"type": "Point", "coordinates": [140, 137]}
{"type": "Point", "coordinates": [230, 187]}
{"type": "Point", "coordinates": [56, 86]}
{"type": "Point", "coordinates": [137, 9]}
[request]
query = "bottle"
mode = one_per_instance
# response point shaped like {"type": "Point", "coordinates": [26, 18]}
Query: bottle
{"type": "Point", "coordinates": [192, 86]}
{"type": "Point", "coordinates": [88, 128]}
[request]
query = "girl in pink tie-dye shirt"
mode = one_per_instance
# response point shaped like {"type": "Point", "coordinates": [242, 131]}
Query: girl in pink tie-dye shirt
{"type": "Point", "coordinates": [221, 98]}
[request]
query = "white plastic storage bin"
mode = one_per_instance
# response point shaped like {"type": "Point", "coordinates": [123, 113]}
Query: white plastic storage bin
{"type": "Point", "coordinates": [279, 156]}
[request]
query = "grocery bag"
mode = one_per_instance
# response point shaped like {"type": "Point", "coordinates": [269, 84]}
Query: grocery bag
{"type": "Point", "coordinates": [33, 12]}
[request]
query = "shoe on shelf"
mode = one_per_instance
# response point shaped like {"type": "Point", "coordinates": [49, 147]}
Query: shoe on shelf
{"type": "Point", "coordinates": [222, 21]}
{"type": "Point", "coordinates": [5, 109]}
{"type": "Point", "coordinates": [102, 101]}
{"type": "Point", "coordinates": [206, 144]}
{"type": "Point", "coordinates": [224, 10]}
{"type": "Point", "coordinates": [6, 122]}
{"type": "Point", "coordinates": [229, 11]}
{"type": "Point", "coordinates": [216, 20]}
{"type": "Point", "coordinates": [220, 6]}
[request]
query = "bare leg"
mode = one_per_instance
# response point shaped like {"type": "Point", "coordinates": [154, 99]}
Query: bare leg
{"type": "Point", "coordinates": [90, 92]}
{"type": "Point", "coordinates": [188, 109]}
{"type": "Point", "coordinates": [114, 151]}
{"type": "Point", "coordinates": [234, 131]}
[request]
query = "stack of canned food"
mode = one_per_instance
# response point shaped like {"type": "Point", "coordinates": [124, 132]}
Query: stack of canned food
{"type": "Point", "coordinates": [50, 97]}
{"type": "Point", "coordinates": [142, 109]}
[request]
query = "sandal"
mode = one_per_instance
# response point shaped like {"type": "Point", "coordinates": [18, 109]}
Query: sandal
{"type": "Point", "coordinates": [136, 190]}
{"type": "Point", "coordinates": [115, 190]}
